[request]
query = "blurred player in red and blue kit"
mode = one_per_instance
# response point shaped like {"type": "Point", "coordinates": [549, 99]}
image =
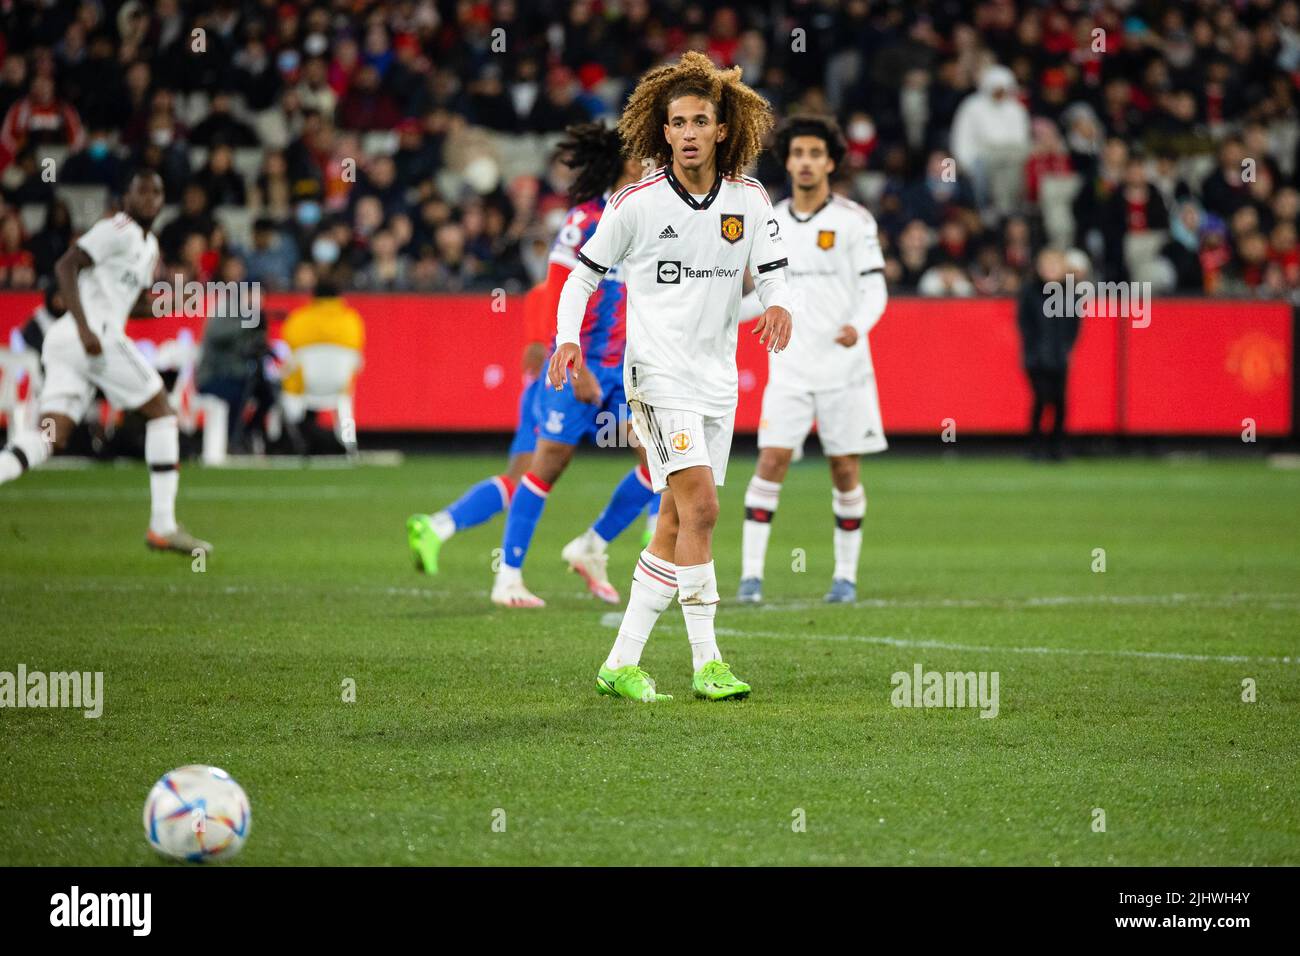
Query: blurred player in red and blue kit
{"type": "Point", "coordinates": [552, 423]}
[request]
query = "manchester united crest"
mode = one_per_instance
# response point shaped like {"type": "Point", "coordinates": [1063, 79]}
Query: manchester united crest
{"type": "Point", "coordinates": [825, 238]}
{"type": "Point", "coordinates": [733, 227]}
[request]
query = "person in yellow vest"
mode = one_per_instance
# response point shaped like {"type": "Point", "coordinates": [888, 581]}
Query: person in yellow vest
{"type": "Point", "coordinates": [330, 322]}
{"type": "Point", "coordinates": [325, 320]}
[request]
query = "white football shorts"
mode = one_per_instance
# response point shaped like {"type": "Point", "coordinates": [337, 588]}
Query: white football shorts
{"type": "Point", "coordinates": [675, 439]}
{"type": "Point", "coordinates": [71, 376]}
{"type": "Point", "coordinates": [848, 419]}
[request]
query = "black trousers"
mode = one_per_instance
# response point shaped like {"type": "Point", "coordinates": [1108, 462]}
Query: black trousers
{"type": "Point", "coordinates": [1049, 392]}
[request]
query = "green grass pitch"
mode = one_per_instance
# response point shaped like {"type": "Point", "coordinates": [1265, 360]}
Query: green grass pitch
{"type": "Point", "coordinates": [1119, 691]}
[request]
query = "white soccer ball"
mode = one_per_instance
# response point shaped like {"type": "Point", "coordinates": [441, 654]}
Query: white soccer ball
{"type": "Point", "coordinates": [197, 813]}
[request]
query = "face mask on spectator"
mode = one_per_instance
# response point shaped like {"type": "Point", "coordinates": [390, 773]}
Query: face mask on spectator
{"type": "Point", "coordinates": [325, 251]}
{"type": "Point", "coordinates": [861, 130]}
{"type": "Point", "coordinates": [308, 213]}
{"type": "Point", "coordinates": [98, 149]}
{"type": "Point", "coordinates": [161, 137]}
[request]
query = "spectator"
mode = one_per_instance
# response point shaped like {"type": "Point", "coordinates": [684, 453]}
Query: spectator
{"type": "Point", "coordinates": [366, 106]}
{"type": "Point", "coordinates": [38, 119]}
{"type": "Point", "coordinates": [194, 219]}
{"type": "Point", "coordinates": [220, 127]}
{"type": "Point", "coordinates": [53, 239]}
{"type": "Point", "coordinates": [218, 178]}
{"type": "Point", "coordinates": [990, 139]}
{"type": "Point", "coordinates": [1049, 326]}
{"type": "Point", "coordinates": [388, 270]}
{"type": "Point", "coordinates": [272, 258]}
{"type": "Point", "coordinates": [96, 165]}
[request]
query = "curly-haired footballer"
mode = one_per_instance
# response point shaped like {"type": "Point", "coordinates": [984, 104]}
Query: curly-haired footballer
{"type": "Point", "coordinates": [683, 236]}
{"type": "Point", "coordinates": [837, 269]}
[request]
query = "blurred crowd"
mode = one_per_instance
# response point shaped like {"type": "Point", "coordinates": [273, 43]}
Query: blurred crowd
{"type": "Point", "coordinates": [408, 144]}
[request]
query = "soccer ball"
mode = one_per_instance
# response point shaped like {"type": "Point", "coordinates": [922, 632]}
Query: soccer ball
{"type": "Point", "coordinates": [197, 813]}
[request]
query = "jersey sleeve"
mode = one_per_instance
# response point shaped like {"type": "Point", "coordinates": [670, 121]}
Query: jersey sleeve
{"type": "Point", "coordinates": [867, 255]}
{"type": "Point", "coordinates": [578, 226]}
{"type": "Point", "coordinates": [611, 240]}
{"type": "Point", "coordinates": [768, 250]}
{"type": "Point", "coordinates": [101, 240]}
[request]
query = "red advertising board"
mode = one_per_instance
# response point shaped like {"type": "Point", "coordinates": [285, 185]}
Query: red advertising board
{"type": "Point", "coordinates": [452, 363]}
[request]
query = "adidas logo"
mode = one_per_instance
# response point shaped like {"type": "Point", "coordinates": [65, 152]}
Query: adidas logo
{"type": "Point", "coordinates": [668, 233]}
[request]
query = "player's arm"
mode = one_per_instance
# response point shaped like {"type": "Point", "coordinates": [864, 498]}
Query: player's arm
{"type": "Point", "coordinates": [873, 296]}
{"type": "Point", "coordinates": [604, 250]}
{"type": "Point", "coordinates": [751, 307]}
{"type": "Point", "coordinates": [767, 263]}
{"type": "Point", "coordinates": [66, 271]}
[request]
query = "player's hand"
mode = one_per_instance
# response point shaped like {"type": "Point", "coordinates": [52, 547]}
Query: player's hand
{"type": "Point", "coordinates": [90, 342]}
{"type": "Point", "coordinates": [848, 336]}
{"type": "Point", "coordinates": [570, 353]}
{"type": "Point", "coordinates": [773, 328]}
{"type": "Point", "coordinates": [586, 388]}
{"type": "Point", "coordinates": [534, 358]}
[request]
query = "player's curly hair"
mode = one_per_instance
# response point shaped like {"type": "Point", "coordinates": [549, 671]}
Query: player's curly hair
{"type": "Point", "coordinates": [748, 116]}
{"type": "Point", "coordinates": [805, 124]}
{"type": "Point", "coordinates": [596, 152]}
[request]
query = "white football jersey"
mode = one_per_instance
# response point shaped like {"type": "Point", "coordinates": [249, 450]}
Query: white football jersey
{"type": "Point", "coordinates": [829, 251]}
{"type": "Point", "coordinates": [125, 257]}
{"type": "Point", "coordinates": [683, 262]}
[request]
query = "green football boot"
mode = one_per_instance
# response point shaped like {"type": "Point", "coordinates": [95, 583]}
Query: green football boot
{"type": "Point", "coordinates": [630, 682]}
{"type": "Point", "coordinates": [714, 681]}
{"type": "Point", "coordinates": [424, 543]}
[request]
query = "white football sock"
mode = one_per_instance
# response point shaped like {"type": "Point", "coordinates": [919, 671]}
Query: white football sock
{"type": "Point", "coordinates": [849, 508]}
{"type": "Point", "coordinates": [654, 581]}
{"type": "Point", "coordinates": [26, 451]}
{"type": "Point", "coordinates": [698, 595]}
{"type": "Point", "coordinates": [162, 452]}
{"type": "Point", "coordinates": [444, 525]}
{"type": "Point", "coordinates": [760, 505]}
{"type": "Point", "coordinates": [506, 575]}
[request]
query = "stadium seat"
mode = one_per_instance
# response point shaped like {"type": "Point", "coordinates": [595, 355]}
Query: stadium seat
{"type": "Point", "coordinates": [1141, 250]}
{"type": "Point", "coordinates": [238, 223]}
{"type": "Point", "coordinates": [194, 108]}
{"type": "Point", "coordinates": [1055, 200]}
{"type": "Point", "coordinates": [165, 215]}
{"type": "Point", "coordinates": [327, 376]}
{"type": "Point", "coordinates": [379, 143]}
{"type": "Point", "coordinates": [272, 128]}
{"type": "Point", "coordinates": [247, 161]}
{"type": "Point", "coordinates": [52, 151]}
{"type": "Point", "coordinates": [33, 216]}
{"type": "Point", "coordinates": [87, 204]}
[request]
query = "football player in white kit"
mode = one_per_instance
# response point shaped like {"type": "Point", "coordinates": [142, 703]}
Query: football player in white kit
{"type": "Point", "coordinates": [103, 278]}
{"type": "Point", "coordinates": [837, 272]}
{"type": "Point", "coordinates": [684, 236]}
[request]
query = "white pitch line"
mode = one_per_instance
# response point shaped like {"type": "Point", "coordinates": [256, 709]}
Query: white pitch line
{"type": "Point", "coordinates": [1272, 601]}
{"type": "Point", "coordinates": [197, 493]}
{"type": "Point", "coordinates": [991, 649]}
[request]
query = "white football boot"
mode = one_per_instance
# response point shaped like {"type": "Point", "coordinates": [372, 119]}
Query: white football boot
{"type": "Point", "coordinates": [585, 558]}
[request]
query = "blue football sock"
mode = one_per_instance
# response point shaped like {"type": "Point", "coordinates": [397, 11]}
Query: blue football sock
{"type": "Point", "coordinates": [481, 502]}
{"type": "Point", "coordinates": [630, 496]}
{"type": "Point", "coordinates": [521, 520]}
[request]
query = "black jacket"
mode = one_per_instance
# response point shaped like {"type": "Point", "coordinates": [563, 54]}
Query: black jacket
{"type": "Point", "coordinates": [1046, 339]}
